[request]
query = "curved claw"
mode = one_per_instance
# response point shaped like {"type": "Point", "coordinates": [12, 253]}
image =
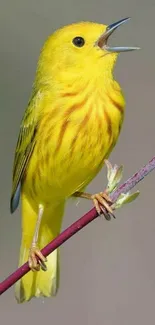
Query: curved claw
{"type": "Point", "coordinates": [101, 202]}
{"type": "Point", "coordinates": [34, 264]}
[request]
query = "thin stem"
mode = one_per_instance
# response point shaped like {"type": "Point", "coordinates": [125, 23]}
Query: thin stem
{"type": "Point", "coordinates": [79, 224]}
{"type": "Point", "coordinates": [134, 180]}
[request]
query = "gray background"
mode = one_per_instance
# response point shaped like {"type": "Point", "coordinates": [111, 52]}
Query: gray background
{"type": "Point", "coordinates": [108, 269]}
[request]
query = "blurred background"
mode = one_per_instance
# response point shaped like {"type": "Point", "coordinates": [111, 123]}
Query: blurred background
{"type": "Point", "coordinates": [108, 268]}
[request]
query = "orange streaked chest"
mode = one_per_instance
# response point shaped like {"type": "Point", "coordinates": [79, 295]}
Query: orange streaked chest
{"type": "Point", "coordinates": [73, 139]}
{"type": "Point", "coordinates": [83, 136]}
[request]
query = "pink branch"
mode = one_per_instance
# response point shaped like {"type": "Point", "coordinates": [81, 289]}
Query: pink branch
{"type": "Point", "coordinates": [79, 224]}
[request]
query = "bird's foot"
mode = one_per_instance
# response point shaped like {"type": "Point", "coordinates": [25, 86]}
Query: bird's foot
{"type": "Point", "coordinates": [103, 204]}
{"type": "Point", "coordinates": [34, 263]}
{"type": "Point", "coordinates": [102, 200]}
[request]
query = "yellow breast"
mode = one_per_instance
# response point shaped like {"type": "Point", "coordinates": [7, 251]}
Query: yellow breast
{"type": "Point", "coordinates": [72, 142]}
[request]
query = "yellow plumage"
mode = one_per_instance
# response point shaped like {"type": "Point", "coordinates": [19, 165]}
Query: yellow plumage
{"type": "Point", "coordinates": [71, 125]}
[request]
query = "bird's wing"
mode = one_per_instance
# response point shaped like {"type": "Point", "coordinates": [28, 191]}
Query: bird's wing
{"type": "Point", "coordinates": [24, 148]}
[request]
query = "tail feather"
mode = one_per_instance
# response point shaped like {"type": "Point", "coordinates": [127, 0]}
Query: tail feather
{"type": "Point", "coordinates": [38, 284]}
{"type": "Point", "coordinates": [47, 283]}
{"type": "Point", "coordinates": [25, 287]}
{"type": "Point", "coordinates": [41, 283]}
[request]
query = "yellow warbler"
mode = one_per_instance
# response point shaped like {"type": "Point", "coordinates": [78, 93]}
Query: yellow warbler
{"type": "Point", "coordinates": [70, 126]}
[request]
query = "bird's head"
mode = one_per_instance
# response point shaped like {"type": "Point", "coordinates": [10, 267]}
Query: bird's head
{"type": "Point", "coordinates": [81, 47]}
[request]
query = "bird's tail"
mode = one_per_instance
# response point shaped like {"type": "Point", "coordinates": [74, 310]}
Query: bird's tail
{"type": "Point", "coordinates": [41, 283]}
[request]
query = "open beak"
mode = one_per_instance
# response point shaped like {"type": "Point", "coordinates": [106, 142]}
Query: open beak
{"type": "Point", "coordinates": [102, 41]}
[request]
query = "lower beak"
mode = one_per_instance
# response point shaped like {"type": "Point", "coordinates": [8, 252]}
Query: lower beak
{"type": "Point", "coordinates": [102, 41]}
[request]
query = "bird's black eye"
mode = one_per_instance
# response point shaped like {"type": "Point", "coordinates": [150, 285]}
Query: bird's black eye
{"type": "Point", "coordinates": [78, 41]}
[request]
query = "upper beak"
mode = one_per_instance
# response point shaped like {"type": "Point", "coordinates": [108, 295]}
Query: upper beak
{"type": "Point", "coordinates": [102, 41]}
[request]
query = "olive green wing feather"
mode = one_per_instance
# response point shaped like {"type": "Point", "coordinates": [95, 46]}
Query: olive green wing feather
{"type": "Point", "coordinates": [24, 149]}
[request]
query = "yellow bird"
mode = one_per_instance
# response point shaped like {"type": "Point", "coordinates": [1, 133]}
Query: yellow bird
{"type": "Point", "coordinates": [70, 126]}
